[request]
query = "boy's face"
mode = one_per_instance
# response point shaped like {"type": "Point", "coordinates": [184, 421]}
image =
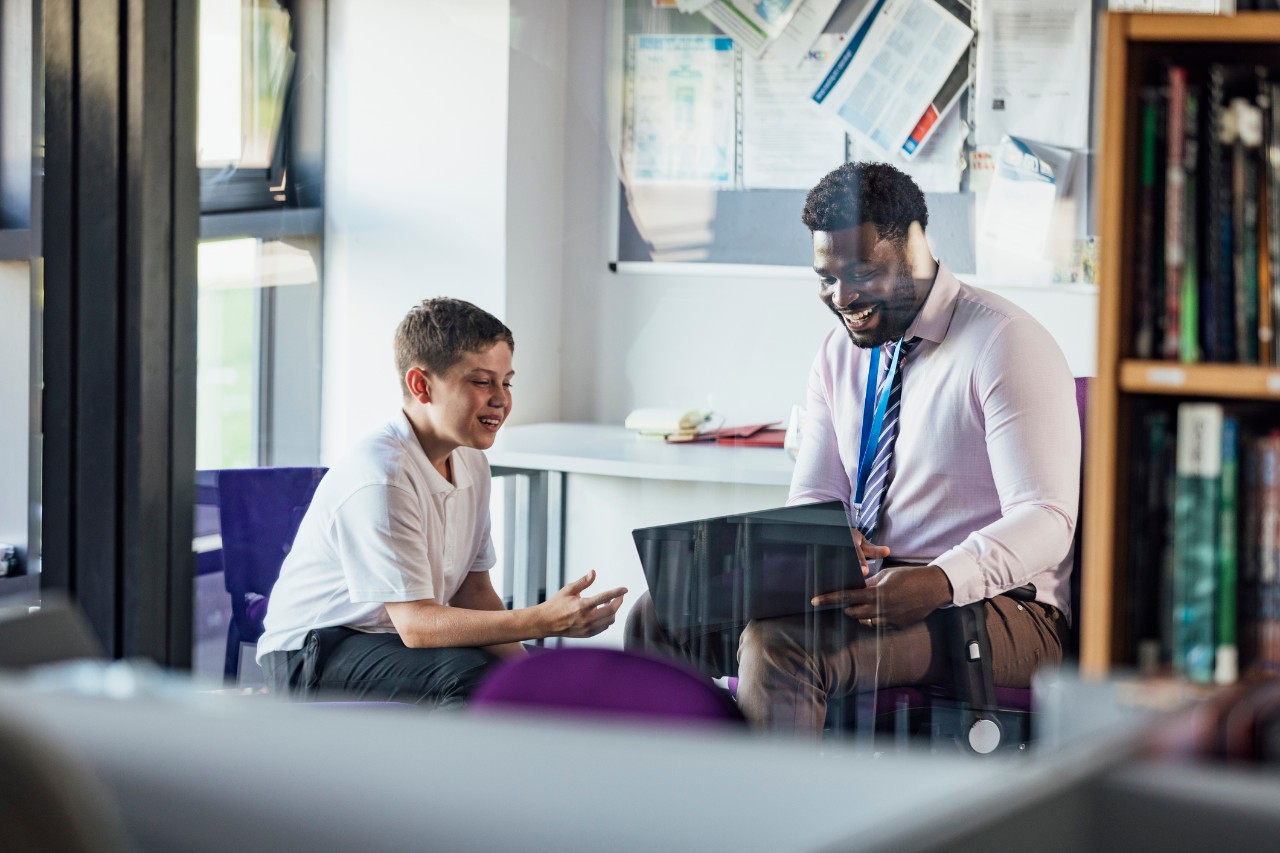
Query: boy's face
{"type": "Point", "coordinates": [867, 282]}
{"type": "Point", "coordinates": [471, 401]}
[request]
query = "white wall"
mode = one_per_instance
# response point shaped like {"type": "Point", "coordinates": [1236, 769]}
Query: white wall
{"type": "Point", "coordinates": [416, 185]}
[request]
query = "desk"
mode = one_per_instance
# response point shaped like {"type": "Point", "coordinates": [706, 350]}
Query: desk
{"type": "Point", "coordinates": [619, 482]}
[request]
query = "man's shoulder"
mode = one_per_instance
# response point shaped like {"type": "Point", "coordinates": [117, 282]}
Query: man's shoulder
{"type": "Point", "coordinates": [986, 314]}
{"type": "Point", "coordinates": [979, 303]}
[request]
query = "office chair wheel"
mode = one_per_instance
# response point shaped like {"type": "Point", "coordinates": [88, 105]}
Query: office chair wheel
{"type": "Point", "coordinates": [984, 735]}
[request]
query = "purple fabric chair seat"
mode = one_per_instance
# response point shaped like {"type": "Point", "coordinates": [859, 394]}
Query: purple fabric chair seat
{"type": "Point", "coordinates": [605, 683]}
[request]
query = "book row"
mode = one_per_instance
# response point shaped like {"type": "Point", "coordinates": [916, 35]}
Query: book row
{"type": "Point", "coordinates": [1204, 551]}
{"type": "Point", "coordinates": [1207, 263]}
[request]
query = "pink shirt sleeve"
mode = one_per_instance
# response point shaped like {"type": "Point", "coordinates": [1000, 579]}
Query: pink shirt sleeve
{"type": "Point", "coordinates": [1025, 392]}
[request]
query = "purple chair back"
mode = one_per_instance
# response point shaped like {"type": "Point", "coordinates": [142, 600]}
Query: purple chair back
{"type": "Point", "coordinates": [259, 513]}
{"type": "Point", "coordinates": [606, 683]}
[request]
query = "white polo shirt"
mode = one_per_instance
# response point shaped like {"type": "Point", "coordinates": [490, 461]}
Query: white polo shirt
{"type": "Point", "coordinates": [383, 526]}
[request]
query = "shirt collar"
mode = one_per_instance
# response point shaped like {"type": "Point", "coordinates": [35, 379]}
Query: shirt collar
{"type": "Point", "coordinates": [436, 483]}
{"type": "Point", "coordinates": [934, 318]}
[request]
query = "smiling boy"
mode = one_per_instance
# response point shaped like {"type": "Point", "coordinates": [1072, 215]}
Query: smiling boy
{"type": "Point", "coordinates": [386, 592]}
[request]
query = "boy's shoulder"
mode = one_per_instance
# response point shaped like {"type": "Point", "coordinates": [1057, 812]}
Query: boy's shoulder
{"type": "Point", "coordinates": [379, 458]}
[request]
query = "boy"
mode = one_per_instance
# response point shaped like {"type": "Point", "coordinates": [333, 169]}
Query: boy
{"type": "Point", "coordinates": [386, 591]}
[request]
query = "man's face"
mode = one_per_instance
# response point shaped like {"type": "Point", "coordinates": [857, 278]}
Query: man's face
{"type": "Point", "coordinates": [867, 282]}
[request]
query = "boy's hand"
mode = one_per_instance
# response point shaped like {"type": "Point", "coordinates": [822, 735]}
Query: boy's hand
{"type": "Point", "coordinates": [569, 614]}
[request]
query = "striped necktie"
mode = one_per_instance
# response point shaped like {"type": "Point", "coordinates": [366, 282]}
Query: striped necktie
{"type": "Point", "coordinates": [878, 479]}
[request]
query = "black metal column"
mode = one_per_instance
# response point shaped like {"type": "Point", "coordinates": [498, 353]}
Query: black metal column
{"type": "Point", "coordinates": [121, 212]}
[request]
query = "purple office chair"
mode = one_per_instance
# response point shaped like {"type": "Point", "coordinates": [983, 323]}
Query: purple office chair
{"type": "Point", "coordinates": [978, 715]}
{"type": "Point", "coordinates": [608, 684]}
{"type": "Point", "coordinates": [259, 513]}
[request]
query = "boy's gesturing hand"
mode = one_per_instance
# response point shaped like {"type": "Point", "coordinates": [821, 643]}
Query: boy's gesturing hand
{"type": "Point", "coordinates": [569, 614]}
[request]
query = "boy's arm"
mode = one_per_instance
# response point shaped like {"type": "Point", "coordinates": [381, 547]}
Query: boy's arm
{"type": "Point", "coordinates": [477, 593]}
{"type": "Point", "coordinates": [426, 624]}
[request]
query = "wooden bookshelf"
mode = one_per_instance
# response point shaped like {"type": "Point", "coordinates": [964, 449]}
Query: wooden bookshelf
{"type": "Point", "coordinates": [1132, 46]}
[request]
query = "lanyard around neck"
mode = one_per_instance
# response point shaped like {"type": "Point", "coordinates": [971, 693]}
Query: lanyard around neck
{"type": "Point", "coordinates": [873, 411]}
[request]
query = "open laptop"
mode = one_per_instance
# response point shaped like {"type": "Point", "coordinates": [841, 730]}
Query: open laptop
{"type": "Point", "coordinates": [718, 572]}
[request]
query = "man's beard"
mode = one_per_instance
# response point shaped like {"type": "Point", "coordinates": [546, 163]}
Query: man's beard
{"type": "Point", "coordinates": [896, 314]}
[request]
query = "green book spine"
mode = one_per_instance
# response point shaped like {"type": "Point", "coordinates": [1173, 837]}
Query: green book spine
{"type": "Point", "coordinates": [1198, 471]}
{"type": "Point", "coordinates": [1189, 337]}
{"type": "Point", "coordinates": [1226, 665]}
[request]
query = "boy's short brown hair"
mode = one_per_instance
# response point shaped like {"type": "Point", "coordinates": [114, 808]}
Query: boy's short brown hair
{"type": "Point", "coordinates": [436, 332]}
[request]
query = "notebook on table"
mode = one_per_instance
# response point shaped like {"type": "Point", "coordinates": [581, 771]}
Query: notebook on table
{"type": "Point", "coordinates": [718, 572]}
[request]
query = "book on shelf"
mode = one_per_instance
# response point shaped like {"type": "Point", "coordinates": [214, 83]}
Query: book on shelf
{"type": "Point", "coordinates": [1266, 571]}
{"type": "Point", "coordinates": [1226, 664]}
{"type": "Point", "coordinates": [1189, 298]}
{"type": "Point", "coordinates": [1266, 318]}
{"type": "Point", "coordinates": [1217, 326]}
{"type": "Point", "coordinates": [1247, 126]}
{"type": "Point", "coordinates": [1270, 103]}
{"type": "Point", "coordinates": [1174, 234]}
{"type": "Point", "coordinates": [1149, 608]}
{"type": "Point", "coordinates": [1150, 260]}
{"type": "Point", "coordinates": [1198, 472]}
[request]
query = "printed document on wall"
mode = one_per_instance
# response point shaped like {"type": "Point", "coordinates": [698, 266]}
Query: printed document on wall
{"type": "Point", "coordinates": [940, 162]}
{"type": "Point", "coordinates": [793, 44]}
{"type": "Point", "coordinates": [787, 143]}
{"type": "Point", "coordinates": [896, 59]}
{"type": "Point", "coordinates": [1028, 213]}
{"type": "Point", "coordinates": [1033, 71]}
{"type": "Point", "coordinates": [752, 23]}
{"type": "Point", "coordinates": [680, 118]}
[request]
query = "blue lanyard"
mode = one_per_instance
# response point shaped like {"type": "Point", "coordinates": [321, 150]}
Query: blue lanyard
{"type": "Point", "coordinates": [873, 412]}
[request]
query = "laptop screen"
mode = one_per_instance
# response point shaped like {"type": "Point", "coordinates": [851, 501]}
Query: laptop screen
{"type": "Point", "coordinates": [716, 572]}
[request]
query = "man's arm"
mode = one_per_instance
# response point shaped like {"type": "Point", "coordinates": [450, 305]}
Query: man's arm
{"type": "Point", "coordinates": [426, 624]}
{"type": "Point", "coordinates": [1033, 443]}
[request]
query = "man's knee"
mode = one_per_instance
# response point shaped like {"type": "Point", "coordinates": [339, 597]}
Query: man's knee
{"type": "Point", "coordinates": [767, 640]}
{"type": "Point", "coordinates": [641, 628]}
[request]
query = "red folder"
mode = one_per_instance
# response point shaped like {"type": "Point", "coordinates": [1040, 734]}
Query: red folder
{"type": "Point", "coordinates": [751, 435]}
{"type": "Point", "coordinates": [760, 438]}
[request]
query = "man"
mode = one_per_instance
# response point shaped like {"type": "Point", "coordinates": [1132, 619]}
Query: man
{"type": "Point", "coordinates": [386, 591]}
{"type": "Point", "coordinates": [963, 473]}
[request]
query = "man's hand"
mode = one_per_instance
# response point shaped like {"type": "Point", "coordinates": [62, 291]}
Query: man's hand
{"type": "Point", "coordinates": [893, 598]}
{"type": "Point", "coordinates": [568, 614]}
{"type": "Point", "coordinates": [867, 551]}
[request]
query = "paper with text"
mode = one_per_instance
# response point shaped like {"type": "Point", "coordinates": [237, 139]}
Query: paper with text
{"type": "Point", "coordinates": [1033, 71]}
{"type": "Point", "coordinates": [786, 142]}
{"type": "Point", "coordinates": [680, 117]}
{"type": "Point", "coordinates": [897, 57]}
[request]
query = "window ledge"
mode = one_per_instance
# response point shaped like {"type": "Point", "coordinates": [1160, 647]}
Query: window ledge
{"type": "Point", "coordinates": [263, 224]}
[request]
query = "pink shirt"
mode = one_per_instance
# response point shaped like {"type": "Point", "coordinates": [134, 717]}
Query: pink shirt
{"type": "Point", "coordinates": [986, 468]}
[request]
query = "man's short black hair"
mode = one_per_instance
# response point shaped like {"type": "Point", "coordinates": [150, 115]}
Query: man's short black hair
{"type": "Point", "coordinates": [437, 332]}
{"type": "Point", "coordinates": [857, 193]}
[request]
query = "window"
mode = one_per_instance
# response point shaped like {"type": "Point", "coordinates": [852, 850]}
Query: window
{"type": "Point", "coordinates": [246, 70]}
{"type": "Point", "coordinates": [258, 322]}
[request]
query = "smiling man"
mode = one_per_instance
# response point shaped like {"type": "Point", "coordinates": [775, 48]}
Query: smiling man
{"type": "Point", "coordinates": [386, 592]}
{"type": "Point", "coordinates": [944, 418]}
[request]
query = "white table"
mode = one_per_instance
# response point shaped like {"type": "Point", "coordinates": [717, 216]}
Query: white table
{"type": "Point", "coordinates": [536, 458]}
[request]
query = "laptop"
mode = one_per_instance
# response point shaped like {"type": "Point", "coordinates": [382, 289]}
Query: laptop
{"type": "Point", "coordinates": [717, 572]}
